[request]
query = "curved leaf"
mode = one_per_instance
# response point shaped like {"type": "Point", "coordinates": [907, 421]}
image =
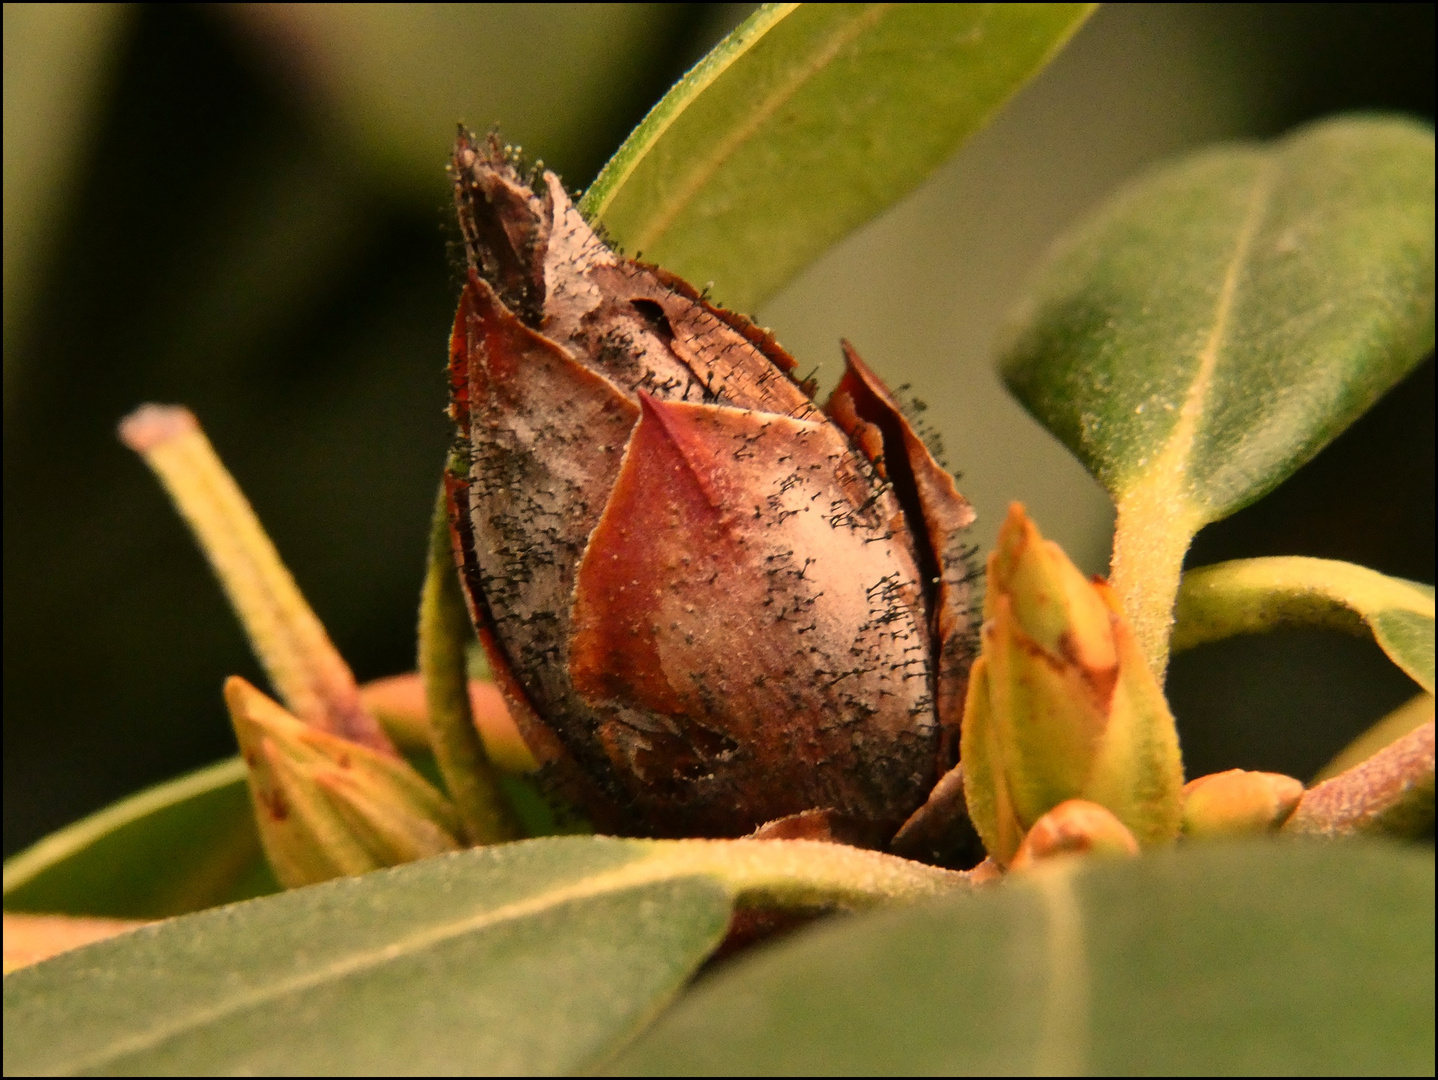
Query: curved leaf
{"type": "Point", "coordinates": [1251, 596]}
{"type": "Point", "coordinates": [57, 58]}
{"type": "Point", "coordinates": [807, 121]}
{"type": "Point", "coordinates": [1210, 960]}
{"type": "Point", "coordinates": [183, 845]}
{"type": "Point", "coordinates": [1220, 320]}
{"type": "Point", "coordinates": [531, 957]}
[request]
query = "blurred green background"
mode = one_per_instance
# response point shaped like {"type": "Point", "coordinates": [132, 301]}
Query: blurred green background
{"type": "Point", "coordinates": [244, 209]}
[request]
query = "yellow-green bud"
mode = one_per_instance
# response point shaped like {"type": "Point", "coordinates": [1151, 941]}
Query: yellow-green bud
{"type": "Point", "coordinates": [1075, 827]}
{"type": "Point", "coordinates": [1061, 703]}
{"type": "Point", "coordinates": [1237, 802]}
{"type": "Point", "coordinates": [329, 807]}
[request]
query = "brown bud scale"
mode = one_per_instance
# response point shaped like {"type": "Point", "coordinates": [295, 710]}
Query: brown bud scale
{"type": "Point", "coordinates": [709, 602]}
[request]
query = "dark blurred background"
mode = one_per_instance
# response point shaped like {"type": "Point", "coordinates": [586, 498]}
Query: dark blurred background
{"type": "Point", "coordinates": [243, 208]}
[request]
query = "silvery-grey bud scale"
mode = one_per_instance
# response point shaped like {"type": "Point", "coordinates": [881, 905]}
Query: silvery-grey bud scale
{"type": "Point", "coordinates": [710, 603]}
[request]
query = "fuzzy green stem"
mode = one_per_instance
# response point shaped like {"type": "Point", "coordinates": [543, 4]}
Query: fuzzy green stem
{"type": "Point", "coordinates": [444, 631]}
{"type": "Point", "coordinates": [302, 663]}
{"type": "Point", "coordinates": [1151, 536]}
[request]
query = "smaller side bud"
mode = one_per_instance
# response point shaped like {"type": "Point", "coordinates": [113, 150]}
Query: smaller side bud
{"type": "Point", "coordinates": [1238, 802]}
{"type": "Point", "coordinates": [1061, 703]}
{"type": "Point", "coordinates": [1075, 827]}
{"type": "Point", "coordinates": [328, 807]}
{"type": "Point", "coordinates": [303, 665]}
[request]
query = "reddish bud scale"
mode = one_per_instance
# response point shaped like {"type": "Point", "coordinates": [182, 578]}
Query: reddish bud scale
{"type": "Point", "coordinates": [709, 603]}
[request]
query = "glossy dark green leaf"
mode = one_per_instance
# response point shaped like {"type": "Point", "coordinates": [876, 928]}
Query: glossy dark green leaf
{"type": "Point", "coordinates": [1269, 957]}
{"type": "Point", "coordinates": [1225, 316]}
{"type": "Point", "coordinates": [807, 121]}
{"type": "Point", "coordinates": [535, 957]}
{"type": "Point", "coordinates": [181, 846]}
{"type": "Point", "coordinates": [1220, 320]}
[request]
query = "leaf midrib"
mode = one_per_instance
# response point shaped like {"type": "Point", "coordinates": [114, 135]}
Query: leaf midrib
{"type": "Point", "coordinates": [1170, 468]}
{"type": "Point", "coordinates": [1158, 513]}
{"type": "Point", "coordinates": [634, 875]}
{"type": "Point", "coordinates": [1062, 1045]}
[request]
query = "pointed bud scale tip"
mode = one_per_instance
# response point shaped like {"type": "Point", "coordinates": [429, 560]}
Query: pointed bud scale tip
{"type": "Point", "coordinates": [711, 603]}
{"type": "Point", "coordinates": [1055, 604]}
{"type": "Point", "coordinates": [327, 807]}
{"type": "Point", "coordinates": [1061, 705]}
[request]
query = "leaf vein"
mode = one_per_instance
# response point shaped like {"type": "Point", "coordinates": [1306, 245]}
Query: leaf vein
{"type": "Point", "coordinates": [635, 875]}
{"type": "Point", "coordinates": [1063, 1038]}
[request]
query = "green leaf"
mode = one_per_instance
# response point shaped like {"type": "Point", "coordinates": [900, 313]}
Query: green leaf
{"type": "Point", "coordinates": [1251, 596]}
{"type": "Point", "coordinates": [58, 60]}
{"type": "Point", "coordinates": [1219, 321]}
{"type": "Point", "coordinates": [536, 957]}
{"type": "Point", "coordinates": [181, 846]}
{"type": "Point", "coordinates": [807, 121]}
{"type": "Point", "coordinates": [1210, 960]}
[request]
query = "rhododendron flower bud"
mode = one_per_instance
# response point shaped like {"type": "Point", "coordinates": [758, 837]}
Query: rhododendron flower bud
{"type": "Point", "coordinates": [1061, 704]}
{"type": "Point", "coordinates": [1074, 827]}
{"type": "Point", "coordinates": [710, 603]}
{"type": "Point", "coordinates": [328, 806]}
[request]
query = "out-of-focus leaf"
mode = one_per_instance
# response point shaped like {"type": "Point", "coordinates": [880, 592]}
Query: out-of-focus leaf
{"type": "Point", "coordinates": [1219, 321]}
{"type": "Point", "coordinates": [534, 957]}
{"type": "Point", "coordinates": [1264, 958]}
{"type": "Point", "coordinates": [178, 847]}
{"type": "Point", "coordinates": [1251, 596]}
{"type": "Point", "coordinates": [807, 121]}
{"type": "Point", "coordinates": [393, 79]}
{"type": "Point", "coordinates": [57, 56]}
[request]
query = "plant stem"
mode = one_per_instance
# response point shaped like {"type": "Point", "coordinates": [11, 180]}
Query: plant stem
{"type": "Point", "coordinates": [444, 631]}
{"type": "Point", "coordinates": [1390, 794]}
{"type": "Point", "coordinates": [1151, 536]}
{"type": "Point", "coordinates": [1254, 596]}
{"type": "Point", "coordinates": [799, 873]}
{"type": "Point", "coordinates": [302, 663]}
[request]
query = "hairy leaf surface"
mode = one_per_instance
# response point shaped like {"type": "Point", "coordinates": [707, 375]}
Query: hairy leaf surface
{"type": "Point", "coordinates": [1213, 960]}
{"type": "Point", "coordinates": [1219, 321]}
{"type": "Point", "coordinates": [1224, 317]}
{"type": "Point", "coordinates": [536, 957]}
